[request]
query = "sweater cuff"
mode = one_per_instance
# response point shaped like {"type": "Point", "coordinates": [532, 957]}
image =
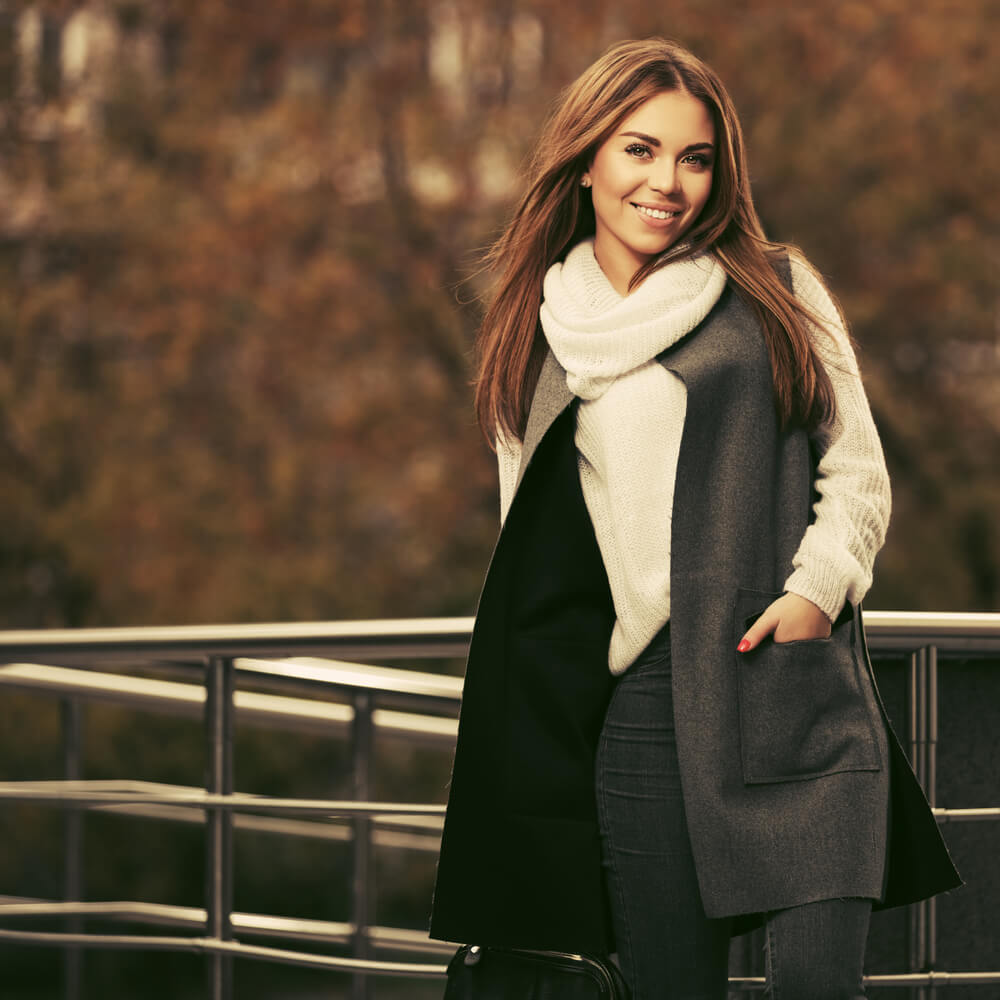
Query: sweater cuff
{"type": "Point", "coordinates": [825, 588]}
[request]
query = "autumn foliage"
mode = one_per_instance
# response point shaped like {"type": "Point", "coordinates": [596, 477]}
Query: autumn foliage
{"type": "Point", "coordinates": [238, 290]}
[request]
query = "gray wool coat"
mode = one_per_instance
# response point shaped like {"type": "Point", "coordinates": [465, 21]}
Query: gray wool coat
{"type": "Point", "coordinates": [795, 787]}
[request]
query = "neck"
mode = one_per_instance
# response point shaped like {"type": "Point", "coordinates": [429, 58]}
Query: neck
{"type": "Point", "coordinates": [618, 270]}
{"type": "Point", "coordinates": [598, 334]}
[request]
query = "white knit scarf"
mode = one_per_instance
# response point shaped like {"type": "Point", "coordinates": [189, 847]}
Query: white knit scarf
{"type": "Point", "coordinates": [598, 335]}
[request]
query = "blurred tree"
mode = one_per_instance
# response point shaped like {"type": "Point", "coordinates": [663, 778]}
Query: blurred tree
{"type": "Point", "coordinates": [235, 320]}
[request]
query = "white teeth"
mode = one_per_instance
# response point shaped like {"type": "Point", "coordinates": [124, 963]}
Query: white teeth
{"type": "Point", "coordinates": [656, 213]}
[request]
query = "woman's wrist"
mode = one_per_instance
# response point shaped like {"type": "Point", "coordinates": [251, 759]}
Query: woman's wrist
{"type": "Point", "coordinates": [826, 590]}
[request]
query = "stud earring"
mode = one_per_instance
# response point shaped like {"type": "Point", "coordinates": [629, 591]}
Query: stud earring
{"type": "Point", "coordinates": [585, 181]}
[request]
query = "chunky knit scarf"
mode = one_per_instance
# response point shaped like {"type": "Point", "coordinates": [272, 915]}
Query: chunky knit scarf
{"type": "Point", "coordinates": [630, 419]}
{"type": "Point", "coordinates": [597, 335]}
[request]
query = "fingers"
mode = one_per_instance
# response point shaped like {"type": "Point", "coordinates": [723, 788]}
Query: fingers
{"type": "Point", "coordinates": [793, 617]}
{"type": "Point", "coordinates": [760, 630]}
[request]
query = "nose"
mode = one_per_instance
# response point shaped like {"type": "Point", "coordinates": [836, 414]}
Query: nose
{"type": "Point", "coordinates": [665, 178]}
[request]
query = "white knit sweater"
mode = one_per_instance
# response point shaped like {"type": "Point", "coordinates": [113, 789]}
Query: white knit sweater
{"type": "Point", "coordinates": [628, 433]}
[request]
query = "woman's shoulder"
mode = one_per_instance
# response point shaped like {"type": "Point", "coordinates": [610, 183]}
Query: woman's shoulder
{"type": "Point", "coordinates": [806, 279]}
{"type": "Point", "coordinates": [792, 264]}
{"type": "Point", "coordinates": [810, 289]}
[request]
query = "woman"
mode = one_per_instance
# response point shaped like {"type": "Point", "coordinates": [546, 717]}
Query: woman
{"type": "Point", "coordinates": [692, 494]}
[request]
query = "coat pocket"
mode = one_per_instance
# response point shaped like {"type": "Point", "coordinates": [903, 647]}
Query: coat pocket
{"type": "Point", "coordinates": [803, 712]}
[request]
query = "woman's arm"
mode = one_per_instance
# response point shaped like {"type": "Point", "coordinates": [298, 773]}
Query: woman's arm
{"type": "Point", "coordinates": [835, 559]}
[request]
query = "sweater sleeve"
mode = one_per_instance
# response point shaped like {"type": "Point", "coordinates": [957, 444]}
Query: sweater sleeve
{"type": "Point", "coordinates": [835, 559]}
{"type": "Point", "coordinates": [508, 462]}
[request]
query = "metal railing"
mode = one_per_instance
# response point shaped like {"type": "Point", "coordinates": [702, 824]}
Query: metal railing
{"type": "Point", "coordinates": [416, 706]}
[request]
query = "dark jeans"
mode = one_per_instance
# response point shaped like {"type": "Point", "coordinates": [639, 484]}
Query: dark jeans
{"type": "Point", "coordinates": [668, 948]}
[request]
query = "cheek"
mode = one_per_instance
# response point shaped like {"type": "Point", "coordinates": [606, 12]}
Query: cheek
{"type": "Point", "coordinates": [612, 181]}
{"type": "Point", "coordinates": [700, 190]}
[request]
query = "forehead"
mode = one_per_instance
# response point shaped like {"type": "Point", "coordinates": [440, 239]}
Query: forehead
{"type": "Point", "coordinates": [671, 116]}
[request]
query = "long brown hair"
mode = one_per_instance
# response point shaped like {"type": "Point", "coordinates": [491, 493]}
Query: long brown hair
{"type": "Point", "coordinates": [556, 213]}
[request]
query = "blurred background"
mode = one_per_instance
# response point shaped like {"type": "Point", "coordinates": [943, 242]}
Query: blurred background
{"type": "Point", "coordinates": [239, 245]}
{"type": "Point", "coordinates": [236, 312]}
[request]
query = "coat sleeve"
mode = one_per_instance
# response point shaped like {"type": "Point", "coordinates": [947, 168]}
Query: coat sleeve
{"type": "Point", "coordinates": [508, 462]}
{"type": "Point", "coordinates": [835, 559]}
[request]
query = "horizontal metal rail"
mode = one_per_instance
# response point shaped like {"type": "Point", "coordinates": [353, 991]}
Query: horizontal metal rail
{"type": "Point", "coordinates": [407, 832]}
{"type": "Point", "coordinates": [11, 790]}
{"type": "Point", "coordinates": [77, 793]}
{"type": "Point", "coordinates": [412, 970]}
{"type": "Point", "coordinates": [381, 639]}
{"type": "Point", "coordinates": [965, 815]}
{"type": "Point", "coordinates": [305, 714]}
{"type": "Point", "coordinates": [950, 632]}
{"type": "Point", "coordinates": [388, 938]}
{"type": "Point", "coordinates": [325, 932]}
{"type": "Point", "coordinates": [218, 946]}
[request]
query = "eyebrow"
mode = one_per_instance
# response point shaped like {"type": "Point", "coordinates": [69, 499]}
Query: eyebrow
{"type": "Point", "coordinates": [656, 142]}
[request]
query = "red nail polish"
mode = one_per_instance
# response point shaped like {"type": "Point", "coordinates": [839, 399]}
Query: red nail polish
{"type": "Point", "coordinates": [743, 646]}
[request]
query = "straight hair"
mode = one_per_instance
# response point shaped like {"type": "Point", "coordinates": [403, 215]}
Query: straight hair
{"type": "Point", "coordinates": [555, 213]}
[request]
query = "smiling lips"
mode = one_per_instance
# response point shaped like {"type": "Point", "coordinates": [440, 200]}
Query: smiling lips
{"type": "Point", "coordinates": [650, 214]}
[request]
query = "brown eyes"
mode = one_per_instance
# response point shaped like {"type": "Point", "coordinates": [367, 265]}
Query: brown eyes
{"type": "Point", "coordinates": [639, 150]}
{"type": "Point", "coordinates": [699, 160]}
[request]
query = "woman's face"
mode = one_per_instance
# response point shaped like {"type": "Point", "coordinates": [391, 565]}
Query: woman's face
{"type": "Point", "coordinates": [650, 181]}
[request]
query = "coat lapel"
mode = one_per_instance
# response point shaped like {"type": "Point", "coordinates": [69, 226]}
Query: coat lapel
{"type": "Point", "coordinates": [552, 396]}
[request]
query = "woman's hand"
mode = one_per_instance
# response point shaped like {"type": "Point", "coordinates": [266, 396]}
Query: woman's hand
{"type": "Point", "coordinates": [788, 618]}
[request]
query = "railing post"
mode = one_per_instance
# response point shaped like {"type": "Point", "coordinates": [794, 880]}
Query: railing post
{"type": "Point", "coordinates": [920, 758]}
{"type": "Point", "coordinates": [219, 680]}
{"type": "Point", "coordinates": [71, 718]}
{"type": "Point", "coordinates": [931, 789]}
{"type": "Point", "coordinates": [363, 883]}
